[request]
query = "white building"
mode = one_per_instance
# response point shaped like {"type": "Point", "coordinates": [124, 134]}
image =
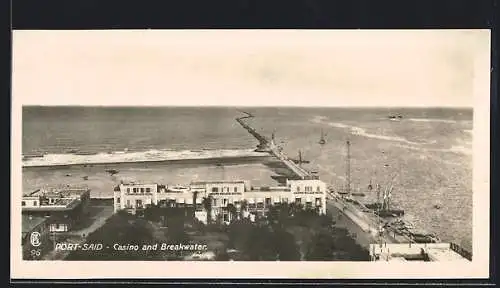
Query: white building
{"type": "Point", "coordinates": [423, 252]}
{"type": "Point", "coordinates": [309, 193]}
{"type": "Point", "coordinates": [63, 206]}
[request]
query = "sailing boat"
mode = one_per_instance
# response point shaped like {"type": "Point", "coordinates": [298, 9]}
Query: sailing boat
{"type": "Point", "coordinates": [322, 140]}
{"type": "Point", "coordinates": [300, 160]}
{"type": "Point", "coordinates": [384, 209]}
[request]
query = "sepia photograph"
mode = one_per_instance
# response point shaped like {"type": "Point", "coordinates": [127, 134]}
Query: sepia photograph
{"type": "Point", "coordinates": [256, 147]}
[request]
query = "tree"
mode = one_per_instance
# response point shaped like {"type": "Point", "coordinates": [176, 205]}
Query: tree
{"type": "Point", "coordinates": [287, 248]}
{"type": "Point", "coordinates": [261, 245]}
{"type": "Point", "coordinates": [321, 247]}
{"type": "Point", "coordinates": [195, 197]}
{"type": "Point", "coordinates": [232, 211]}
{"type": "Point", "coordinates": [207, 205]}
{"type": "Point", "coordinates": [120, 229]}
{"type": "Point", "coordinates": [243, 207]}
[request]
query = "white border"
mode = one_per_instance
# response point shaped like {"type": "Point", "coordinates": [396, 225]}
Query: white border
{"type": "Point", "coordinates": [478, 268]}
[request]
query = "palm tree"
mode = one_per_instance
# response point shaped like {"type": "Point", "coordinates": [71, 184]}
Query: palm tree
{"type": "Point", "coordinates": [232, 210]}
{"type": "Point", "coordinates": [243, 207]}
{"type": "Point", "coordinates": [207, 204]}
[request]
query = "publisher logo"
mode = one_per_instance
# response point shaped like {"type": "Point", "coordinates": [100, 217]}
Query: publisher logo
{"type": "Point", "coordinates": [35, 239]}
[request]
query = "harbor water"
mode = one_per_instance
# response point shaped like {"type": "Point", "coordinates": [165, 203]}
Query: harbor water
{"type": "Point", "coordinates": [426, 155]}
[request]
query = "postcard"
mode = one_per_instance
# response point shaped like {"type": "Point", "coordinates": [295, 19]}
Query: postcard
{"type": "Point", "coordinates": [250, 153]}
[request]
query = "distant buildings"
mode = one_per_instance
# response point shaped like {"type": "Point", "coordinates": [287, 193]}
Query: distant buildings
{"type": "Point", "coordinates": [224, 195]}
{"type": "Point", "coordinates": [60, 207]}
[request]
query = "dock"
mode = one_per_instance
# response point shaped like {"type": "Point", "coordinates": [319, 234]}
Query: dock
{"type": "Point", "coordinates": [269, 146]}
{"type": "Point", "coordinates": [365, 222]}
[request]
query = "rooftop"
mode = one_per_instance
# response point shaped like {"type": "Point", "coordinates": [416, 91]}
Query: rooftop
{"type": "Point", "coordinates": [59, 205]}
{"type": "Point", "coordinates": [62, 191]}
{"type": "Point", "coordinates": [218, 182]}
{"type": "Point", "coordinates": [138, 184]}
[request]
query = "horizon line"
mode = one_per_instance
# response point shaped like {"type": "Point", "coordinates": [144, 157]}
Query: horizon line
{"type": "Point", "coordinates": [246, 106]}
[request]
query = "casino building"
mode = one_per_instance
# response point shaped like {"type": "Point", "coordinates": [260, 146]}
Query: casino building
{"type": "Point", "coordinates": [134, 197]}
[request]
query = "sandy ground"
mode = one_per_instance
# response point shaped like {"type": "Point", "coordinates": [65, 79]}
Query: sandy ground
{"type": "Point", "coordinates": [102, 183]}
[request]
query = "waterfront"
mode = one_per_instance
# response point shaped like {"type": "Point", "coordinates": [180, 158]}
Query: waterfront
{"type": "Point", "coordinates": [430, 148]}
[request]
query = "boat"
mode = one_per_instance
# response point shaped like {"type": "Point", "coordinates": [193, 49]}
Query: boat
{"type": "Point", "coordinates": [359, 194]}
{"type": "Point", "coordinates": [300, 160]}
{"type": "Point", "coordinates": [322, 140]}
{"type": "Point", "coordinates": [85, 177]}
{"type": "Point", "coordinates": [383, 208]}
{"type": "Point", "coordinates": [72, 151]}
{"type": "Point", "coordinates": [85, 153]}
{"type": "Point", "coordinates": [33, 155]}
{"type": "Point", "coordinates": [424, 238]}
{"type": "Point", "coordinates": [437, 206]}
{"type": "Point", "coordinates": [395, 117]}
{"type": "Point", "coordinates": [112, 171]}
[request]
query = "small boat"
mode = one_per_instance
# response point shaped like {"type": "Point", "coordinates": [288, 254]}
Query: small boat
{"type": "Point", "coordinates": [68, 175]}
{"type": "Point", "coordinates": [395, 117]}
{"type": "Point", "coordinates": [72, 151]}
{"type": "Point", "coordinates": [85, 177]}
{"type": "Point", "coordinates": [112, 171]}
{"type": "Point", "coordinates": [322, 140]}
{"type": "Point", "coordinates": [359, 194]}
{"type": "Point", "coordinates": [83, 153]}
{"type": "Point", "coordinates": [437, 206]}
{"type": "Point", "coordinates": [300, 160]}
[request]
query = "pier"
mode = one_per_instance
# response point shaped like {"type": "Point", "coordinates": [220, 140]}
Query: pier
{"type": "Point", "coordinates": [269, 146]}
{"type": "Point", "coordinates": [366, 223]}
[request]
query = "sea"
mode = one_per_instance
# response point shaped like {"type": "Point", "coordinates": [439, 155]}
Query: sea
{"type": "Point", "coordinates": [426, 155]}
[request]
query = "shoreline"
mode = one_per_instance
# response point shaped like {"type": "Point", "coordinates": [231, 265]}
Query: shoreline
{"type": "Point", "coordinates": [211, 160]}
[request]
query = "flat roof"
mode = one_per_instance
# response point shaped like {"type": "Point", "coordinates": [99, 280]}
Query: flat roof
{"type": "Point", "coordinates": [64, 205]}
{"type": "Point", "coordinates": [56, 191]}
{"type": "Point", "coordinates": [30, 222]}
{"type": "Point", "coordinates": [139, 184]}
{"type": "Point", "coordinates": [219, 182]}
{"type": "Point", "coordinates": [440, 254]}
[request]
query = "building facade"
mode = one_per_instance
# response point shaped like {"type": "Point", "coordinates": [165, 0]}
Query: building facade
{"type": "Point", "coordinates": [62, 207]}
{"type": "Point", "coordinates": [226, 197]}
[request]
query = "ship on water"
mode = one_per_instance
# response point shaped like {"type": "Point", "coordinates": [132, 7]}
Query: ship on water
{"type": "Point", "coordinates": [322, 140]}
{"type": "Point", "coordinates": [300, 160]}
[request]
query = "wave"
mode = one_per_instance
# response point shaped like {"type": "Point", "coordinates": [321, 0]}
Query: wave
{"type": "Point", "coordinates": [459, 149]}
{"type": "Point", "coordinates": [131, 157]}
{"type": "Point", "coordinates": [432, 120]}
{"type": "Point", "coordinates": [362, 132]}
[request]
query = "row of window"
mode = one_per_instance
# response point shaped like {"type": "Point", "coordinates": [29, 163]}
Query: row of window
{"type": "Point", "coordinates": [225, 202]}
{"type": "Point", "coordinates": [140, 190]}
{"type": "Point", "coordinates": [223, 189]}
{"type": "Point", "coordinates": [23, 203]}
{"type": "Point", "coordinates": [309, 189]}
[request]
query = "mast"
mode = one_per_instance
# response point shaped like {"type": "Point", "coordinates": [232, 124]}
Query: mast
{"type": "Point", "coordinates": [378, 196]}
{"type": "Point", "coordinates": [300, 157]}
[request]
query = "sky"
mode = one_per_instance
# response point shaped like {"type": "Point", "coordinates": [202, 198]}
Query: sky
{"type": "Point", "coordinates": [247, 67]}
